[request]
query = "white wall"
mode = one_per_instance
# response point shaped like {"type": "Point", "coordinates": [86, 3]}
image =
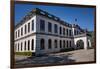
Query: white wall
{"type": "Point", "coordinates": [23, 41]}
{"type": "Point", "coordinates": [26, 23]}
{"type": "Point", "coordinates": [46, 37]}
{"type": "Point", "coordinates": [37, 19]}
{"type": "Point", "coordinates": [46, 24]}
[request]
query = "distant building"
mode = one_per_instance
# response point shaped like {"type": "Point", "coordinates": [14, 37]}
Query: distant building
{"type": "Point", "coordinates": [40, 32]}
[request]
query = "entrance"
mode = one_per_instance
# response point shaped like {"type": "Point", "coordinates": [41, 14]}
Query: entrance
{"type": "Point", "coordinates": [80, 44]}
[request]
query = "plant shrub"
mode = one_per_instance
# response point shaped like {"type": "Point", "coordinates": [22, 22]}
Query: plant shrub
{"type": "Point", "coordinates": [24, 53]}
{"type": "Point", "coordinates": [67, 49]}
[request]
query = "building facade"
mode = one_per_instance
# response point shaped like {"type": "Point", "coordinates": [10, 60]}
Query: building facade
{"type": "Point", "coordinates": [40, 32]}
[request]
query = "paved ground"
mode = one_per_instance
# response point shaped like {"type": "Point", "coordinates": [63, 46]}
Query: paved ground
{"type": "Point", "coordinates": [64, 57]}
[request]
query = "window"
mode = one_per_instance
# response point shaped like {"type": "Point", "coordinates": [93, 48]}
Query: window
{"type": "Point", "coordinates": [49, 43]}
{"type": "Point", "coordinates": [55, 43]}
{"type": "Point", "coordinates": [32, 46]}
{"type": "Point", "coordinates": [21, 45]}
{"type": "Point", "coordinates": [32, 24]}
{"type": "Point", "coordinates": [42, 25]}
{"type": "Point", "coordinates": [70, 32]}
{"type": "Point", "coordinates": [63, 31]}
{"type": "Point", "coordinates": [21, 31]}
{"type": "Point", "coordinates": [67, 32]}
{"type": "Point", "coordinates": [63, 43]}
{"type": "Point", "coordinates": [42, 44]}
{"type": "Point", "coordinates": [74, 32]}
{"type": "Point", "coordinates": [28, 27]}
{"type": "Point", "coordinates": [60, 30]}
{"type": "Point", "coordinates": [49, 27]}
{"type": "Point", "coordinates": [25, 29]}
{"type": "Point", "coordinates": [28, 44]}
{"type": "Point", "coordinates": [55, 28]}
{"type": "Point", "coordinates": [25, 46]}
{"type": "Point", "coordinates": [60, 44]}
{"type": "Point", "coordinates": [18, 33]}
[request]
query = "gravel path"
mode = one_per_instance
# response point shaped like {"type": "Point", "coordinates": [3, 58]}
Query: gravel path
{"type": "Point", "coordinates": [80, 55]}
{"type": "Point", "coordinates": [64, 57]}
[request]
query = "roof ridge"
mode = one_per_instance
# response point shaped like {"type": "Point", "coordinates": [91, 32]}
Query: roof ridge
{"type": "Point", "coordinates": [41, 12]}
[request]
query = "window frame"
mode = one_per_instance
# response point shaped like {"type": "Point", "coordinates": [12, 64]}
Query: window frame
{"type": "Point", "coordinates": [25, 29]}
{"type": "Point", "coordinates": [42, 25]}
{"type": "Point", "coordinates": [60, 30]}
{"type": "Point", "coordinates": [32, 25]}
{"type": "Point", "coordinates": [32, 44]}
{"type": "Point", "coordinates": [49, 27]}
{"type": "Point", "coordinates": [55, 28]}
{"type": "Point", "coordinates": [21, 31]}
{"type": "Point", "coordinates": [28, 27]}
{"type": "Point", "coordinates": [55, 43]}
{"type": "Point", "coordinates": [49, 43]}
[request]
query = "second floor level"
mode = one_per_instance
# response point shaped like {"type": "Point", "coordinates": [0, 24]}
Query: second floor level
{"type": "Point", "coordinates": [42, 24]}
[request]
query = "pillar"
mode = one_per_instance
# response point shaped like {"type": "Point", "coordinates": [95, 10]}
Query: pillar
{"type": "Point", "coordinates": [85, 43]}
{"type": "Point", "coordinates": [89, 43]}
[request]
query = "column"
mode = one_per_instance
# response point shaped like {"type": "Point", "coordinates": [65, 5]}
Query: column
{"type": "Point", "coordinates": [23, 47]}
{"type": "Point", "coordinates": [30, 45]}
{"type": "Point", "coordinates": [89, 44]}
{"type": "Point", "coordinates": [85, 43]}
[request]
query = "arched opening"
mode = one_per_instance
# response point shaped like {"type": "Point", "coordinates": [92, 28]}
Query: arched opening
{"type": "Point", "coordinates": [60, 43]}
{"type": "Point", "coordinates": [21, 46]}
{"type": "Point", "coordinates": [32, 46]}
{"type": "Point", "coordinates": [63, 43]}
{"type": "Point", "coordinates": [80, 44]}
{"type": "Point", "coordinates": [42, 44]}
{"type": "Point", "coordinates": [49, 43]}
{"type": "Point", "coordinates": [55, 43]}
{"type": "Point", "coordinates": [70, 44]}
{"type": "Point", "coordinates": [28, 44]}
{"type": "Point", "coordinates": [25, 46]}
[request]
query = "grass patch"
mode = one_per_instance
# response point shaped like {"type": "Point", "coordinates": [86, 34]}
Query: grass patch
{"type": "Point", "coordinates": [24, 53]}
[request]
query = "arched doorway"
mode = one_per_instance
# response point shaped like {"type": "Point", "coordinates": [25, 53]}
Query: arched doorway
{"type": "Point", "coordinates": [80, 44]}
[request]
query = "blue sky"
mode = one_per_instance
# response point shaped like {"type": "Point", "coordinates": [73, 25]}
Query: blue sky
{"type": "Point", "coordinates": [84, 16]}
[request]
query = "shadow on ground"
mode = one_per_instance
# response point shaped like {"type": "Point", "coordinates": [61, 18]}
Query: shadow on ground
{"type": "Point", "coordinates": [47, 59]}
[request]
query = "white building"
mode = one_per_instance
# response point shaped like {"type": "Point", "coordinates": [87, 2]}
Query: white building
{"type": "Point", "coordinates": [40, 32]}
